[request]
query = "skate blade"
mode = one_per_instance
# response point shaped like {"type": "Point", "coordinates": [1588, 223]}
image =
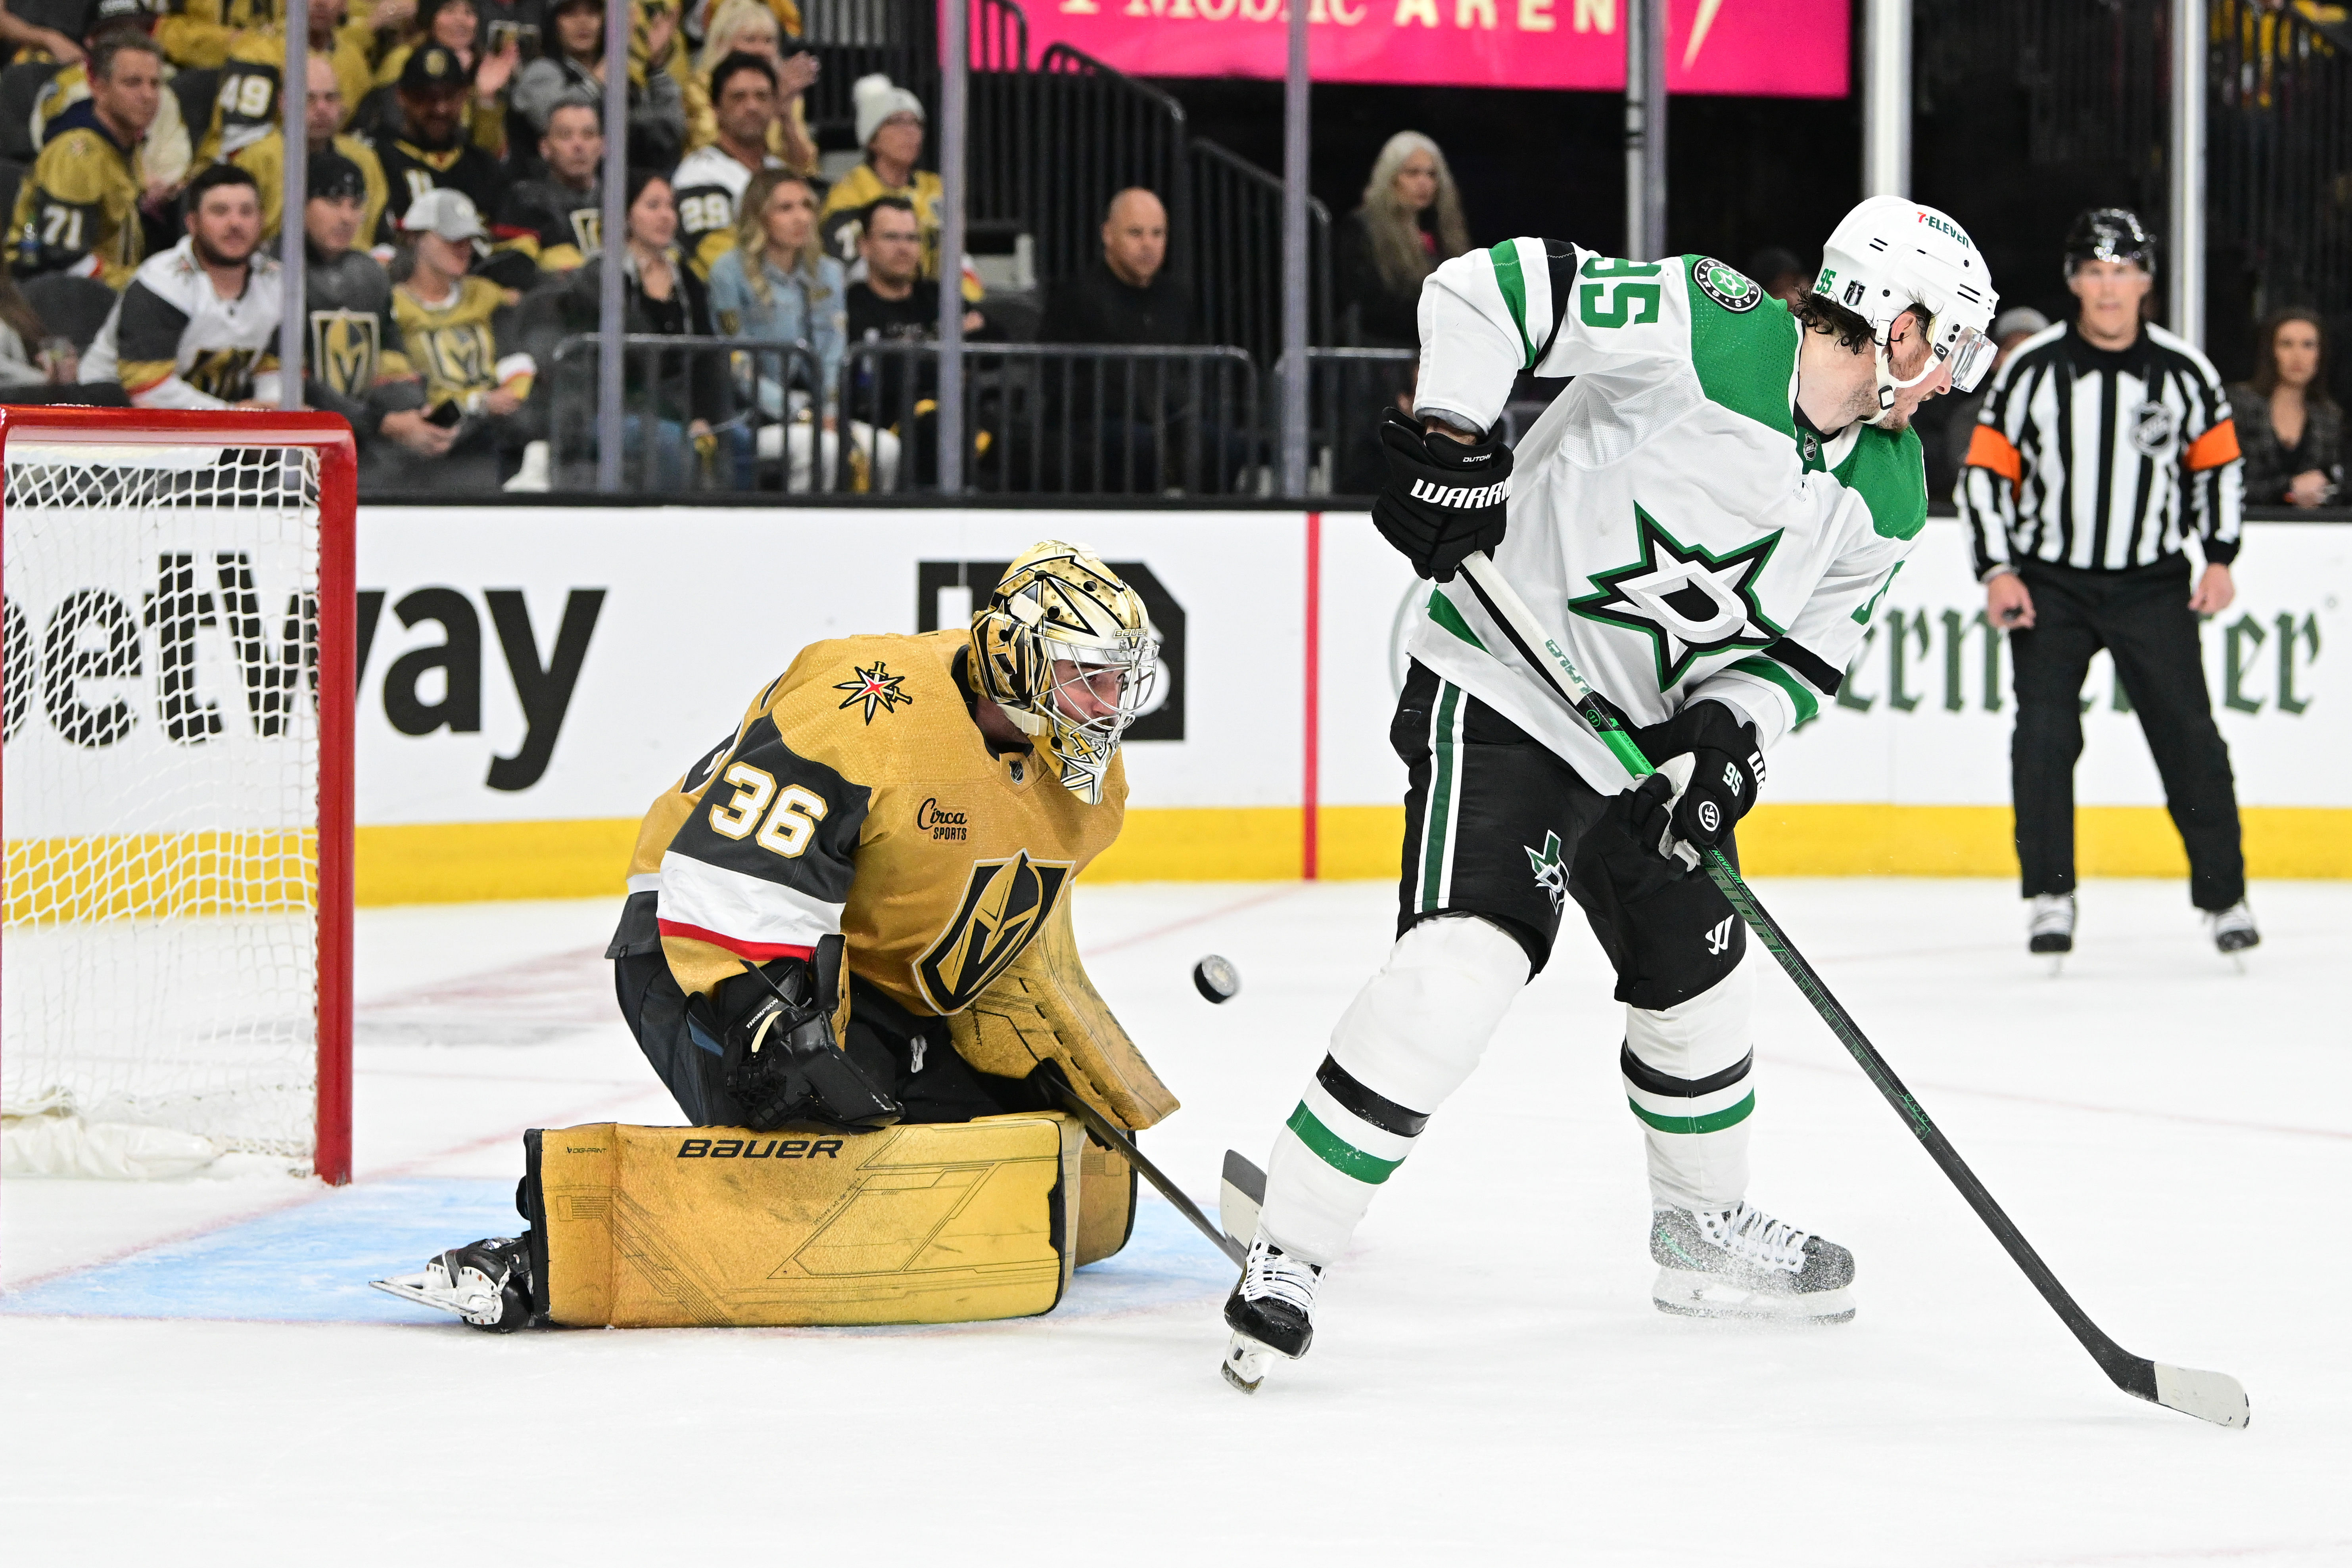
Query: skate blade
{"type": "Point", "coordinates": [1247, 1362]}
{"type": "Point", "coordinates": [410, 1288]}
{"type": "Point", "coordinates": [1686, 1294]}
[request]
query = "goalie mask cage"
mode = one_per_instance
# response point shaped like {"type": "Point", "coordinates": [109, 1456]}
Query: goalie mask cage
{"type": "Point", "coordinates": [176, 786]}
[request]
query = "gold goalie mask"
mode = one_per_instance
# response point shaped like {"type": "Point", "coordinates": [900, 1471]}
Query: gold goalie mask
{"type": "Point", "coordinates": [1065, 648]}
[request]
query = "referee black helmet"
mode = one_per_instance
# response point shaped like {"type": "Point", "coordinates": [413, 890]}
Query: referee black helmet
{"type": "Point", "coordinates": [2110, 234]}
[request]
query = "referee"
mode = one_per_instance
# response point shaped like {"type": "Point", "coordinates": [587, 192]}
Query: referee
{"type": "Point", "coordinates": [2103, 444]}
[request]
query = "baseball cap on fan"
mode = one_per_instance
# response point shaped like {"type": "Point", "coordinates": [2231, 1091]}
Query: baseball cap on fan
{"type": "Point", "coordinates": [449, 214]}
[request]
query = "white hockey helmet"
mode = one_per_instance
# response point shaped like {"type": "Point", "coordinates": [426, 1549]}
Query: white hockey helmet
{"type": "Point", "coordinates": [1889, 256]}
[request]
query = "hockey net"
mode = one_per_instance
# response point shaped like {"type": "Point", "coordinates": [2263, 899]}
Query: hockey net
{"type": "Point", "coordinates": [175, 958]}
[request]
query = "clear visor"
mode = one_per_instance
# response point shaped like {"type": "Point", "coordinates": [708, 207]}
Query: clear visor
{"type": "Point", "coordinates": [1971, 355]}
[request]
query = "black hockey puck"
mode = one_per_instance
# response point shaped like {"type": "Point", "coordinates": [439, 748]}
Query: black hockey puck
{"type": "Point", "coordinates": [1216, 978]}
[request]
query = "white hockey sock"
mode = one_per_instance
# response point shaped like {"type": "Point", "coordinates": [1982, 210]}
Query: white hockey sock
{"type": "Point", "coordinates": [1687, 1076]}
{"type": "Point", "coordinates": [1408, 1041]}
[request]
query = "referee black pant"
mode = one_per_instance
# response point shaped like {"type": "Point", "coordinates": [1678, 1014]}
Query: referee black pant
{"type": "Point", "coordinates": [2142, 618]}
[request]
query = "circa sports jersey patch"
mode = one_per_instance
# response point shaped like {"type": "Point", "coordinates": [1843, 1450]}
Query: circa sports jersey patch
{"type": "Point", "coordinates": [876, 687]}
{"type": "Point", "coordinates": [1004, 906]}
{"type": "Point", "coordinates": [1732, 290]}
{"type": "Point", "coordinates": [2153, 428]}
{"type": "Point", "coordinates": [1690, 601]}
{"type": "Point", "coordinates": [1551, 875]}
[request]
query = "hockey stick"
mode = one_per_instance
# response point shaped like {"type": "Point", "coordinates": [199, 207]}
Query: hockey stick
{"type": "Point", "coordinates": [2208, 1396]}
{"type": "Point", "coordinates": [1102, 1127]}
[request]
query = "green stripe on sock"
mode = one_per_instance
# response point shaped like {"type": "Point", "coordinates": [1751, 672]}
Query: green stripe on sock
{"type": "Point", "coordinates": [1730, 1116]}
{"type": "Point", "coordinates": [1337, 1152]}
{"type": "Point", "coordinates": [1439, 824]}
{"type": "Point", "coordinates": [1808, 707]}
{"type": "Point", "coordinates": [1515, 294]}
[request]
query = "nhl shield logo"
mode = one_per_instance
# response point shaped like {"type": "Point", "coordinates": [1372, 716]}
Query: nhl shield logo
{"type": "Point", "coordinates": [1004, 906]}
{"type": "Point", "coordinates": [2153, 429]}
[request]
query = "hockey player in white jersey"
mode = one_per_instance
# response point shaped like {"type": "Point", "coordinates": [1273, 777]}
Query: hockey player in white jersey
{"type": "Point", "coordinates": [1705, 522]}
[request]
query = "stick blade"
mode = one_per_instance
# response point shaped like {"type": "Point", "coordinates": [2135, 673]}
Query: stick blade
{"type": "Point", "coordinates": [1239, 1197]}
{"type": "Point", "coordinates": [2214, 1397]}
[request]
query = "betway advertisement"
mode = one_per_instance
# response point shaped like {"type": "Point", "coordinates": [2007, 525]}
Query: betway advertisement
{"type": "Point", "coordinates": [1782, 48]}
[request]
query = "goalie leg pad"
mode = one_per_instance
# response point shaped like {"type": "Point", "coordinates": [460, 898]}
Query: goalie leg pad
{"type": "Point", "coordinates": [1687, 1069]}
{"type": "Point", "coordinates": [684, 1227]}
{"type": "Point", "coordinates": [1410, 1039]}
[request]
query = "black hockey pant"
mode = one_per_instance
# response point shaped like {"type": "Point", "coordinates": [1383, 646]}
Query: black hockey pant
{"type": "Point", "coordinates": [2142, 618]}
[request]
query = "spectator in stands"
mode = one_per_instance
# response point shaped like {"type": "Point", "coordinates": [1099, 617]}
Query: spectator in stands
{"type": "Point", "coordinates": [323, 112]}
{"type": "Point", "coordinates": [354, 365]}
{"type": "Point", "coordinates": [246, 106]}
{"type": "Point", "coordinates": [890, 130]}
{"type": "Point", "coordinates": [573, 71]}
{"type": "Point", "coordinates": [29, 357]}
{"type": "Point", "coordinates": [1945, 434]}
{"type": "Point", "coordinates": [431, 151]}
{"type": "Point", "coordinates": [550, 225]}
{"type": "Point", "coordinates": [455, 26]}
{"type": "Point", "coordinates": [894, 303]}
{"type": "Point", "coordinates": [778, 285]}
{"type": "Point", "coordinates": [750, 27]}
{"type": "Point", "coordinates": [1126, 295]}
{"type": "Point", "coordinates": [676, 403]}
{"type": "Point", "coordinates": [1779, 274]}
{"type": "Point", "coordinates": [164, 151]}
{"type": "Point", "coordinates": [18, 35]}
{"type": "Point", "coordinates": [77, 210]}
{"type": "Point", "coordinates": [461, 335]}
{"type": "Point", "coordinates": [197, 326]}
{"type": "Point", "coordinates": [1411, 220]}
{"type": "Point", "coordinates": [2290, 429]}
{"type": "Point", "coordinates": [710, 181]}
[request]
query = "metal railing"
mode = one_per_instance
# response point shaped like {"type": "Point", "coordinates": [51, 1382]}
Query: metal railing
{"type": "Point", "coordinates": [763, 404]}
{"type": "Point", "coordinates": [1048, 419]}
{"type": "Point", "coordinates": [1234, 251]}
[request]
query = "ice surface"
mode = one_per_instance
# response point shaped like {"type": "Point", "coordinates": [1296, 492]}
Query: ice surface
{"type": "Point", "coordinates": [198, 1374]}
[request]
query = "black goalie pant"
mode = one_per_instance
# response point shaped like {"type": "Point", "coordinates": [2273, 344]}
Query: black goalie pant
{"type": "Point", "coordinates": [2142, 618]}
{"type": "Point", "coordinates": [1499, 827]}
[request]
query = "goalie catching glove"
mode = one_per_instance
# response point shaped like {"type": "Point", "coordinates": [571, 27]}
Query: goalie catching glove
{"type": "Point", "coordinates": [1444, 498]}
{"type": "Point", "coordinates": [783, 1064]}
{"type": "Point", "coordinates": [1710, 765]}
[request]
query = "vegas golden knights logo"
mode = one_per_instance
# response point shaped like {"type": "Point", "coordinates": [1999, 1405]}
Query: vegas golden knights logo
{"type": "Point", "coordinates": [1004, 906]}
{"type": "Point", "coordinates": [588, 229]}
{"type": "Point", "coordinates": [225, 373]}
{"type": "Point", "coordinates": [344, 348]}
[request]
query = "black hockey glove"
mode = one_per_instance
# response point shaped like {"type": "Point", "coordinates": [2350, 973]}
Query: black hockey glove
{"type": "Point", "coordinates": [781, 1063]}
{"type": "Point", "coordinates": [1696, 803]}
{"type": "Point", "coordinates": [1443, 499]}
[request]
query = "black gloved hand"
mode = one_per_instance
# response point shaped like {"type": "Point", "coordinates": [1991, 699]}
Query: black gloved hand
{"type": "Point", "coordinates": [1695, 805]}
{"type": "Point", "coordinates": [1444, 499]}
{"type": "Point", "coordinates": [781, 1063]}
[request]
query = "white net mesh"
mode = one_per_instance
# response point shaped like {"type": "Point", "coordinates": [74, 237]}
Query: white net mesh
{"type": "Point", "coordinates": [159, 960]}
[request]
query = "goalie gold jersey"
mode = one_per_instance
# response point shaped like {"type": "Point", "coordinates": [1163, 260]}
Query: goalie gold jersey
{"type": "Point", "coordinates": [858, 796]}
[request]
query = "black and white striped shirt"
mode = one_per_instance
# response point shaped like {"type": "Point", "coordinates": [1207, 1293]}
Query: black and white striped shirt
{"type": "Point", "coordinates": [2087, 457]}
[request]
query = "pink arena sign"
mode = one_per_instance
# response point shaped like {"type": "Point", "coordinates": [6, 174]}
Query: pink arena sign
{"type": "Point", "coordinates": [1780, 49]}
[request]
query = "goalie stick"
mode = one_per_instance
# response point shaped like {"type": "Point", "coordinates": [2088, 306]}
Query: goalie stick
{"type": "Point", "coordinates": [2212, 1396]}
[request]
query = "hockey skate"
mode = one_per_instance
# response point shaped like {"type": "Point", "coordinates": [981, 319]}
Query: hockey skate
{"type": "Point", "coordinates": [2050, 930]}
{"type": "Point", "coordinates": [487, 1284]}
{"type": "Point", "coordinates": [1743, 1263]}
{"type": "Point", "coordinates": [1271, 1312]}
{"type": "Point", "coordinates": [2233, 931]}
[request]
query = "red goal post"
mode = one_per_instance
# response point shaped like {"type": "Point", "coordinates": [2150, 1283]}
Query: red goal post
{"type": "Point", "coordinates": [162, 927]}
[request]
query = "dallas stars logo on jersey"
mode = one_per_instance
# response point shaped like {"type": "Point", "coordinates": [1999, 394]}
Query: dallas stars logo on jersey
{"type": "Point", "coordinates": [876, 687]}
{"type": "Point", "coordinates": [1691, 602]}
{"type": "Point", "coordinates": [1551, 875]}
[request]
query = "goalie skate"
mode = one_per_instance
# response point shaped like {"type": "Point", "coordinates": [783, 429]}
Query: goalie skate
{"type": "Point", "coordinates": [487, 1284]}
{"type": "Point", "coordinates": [1743, 1263]}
